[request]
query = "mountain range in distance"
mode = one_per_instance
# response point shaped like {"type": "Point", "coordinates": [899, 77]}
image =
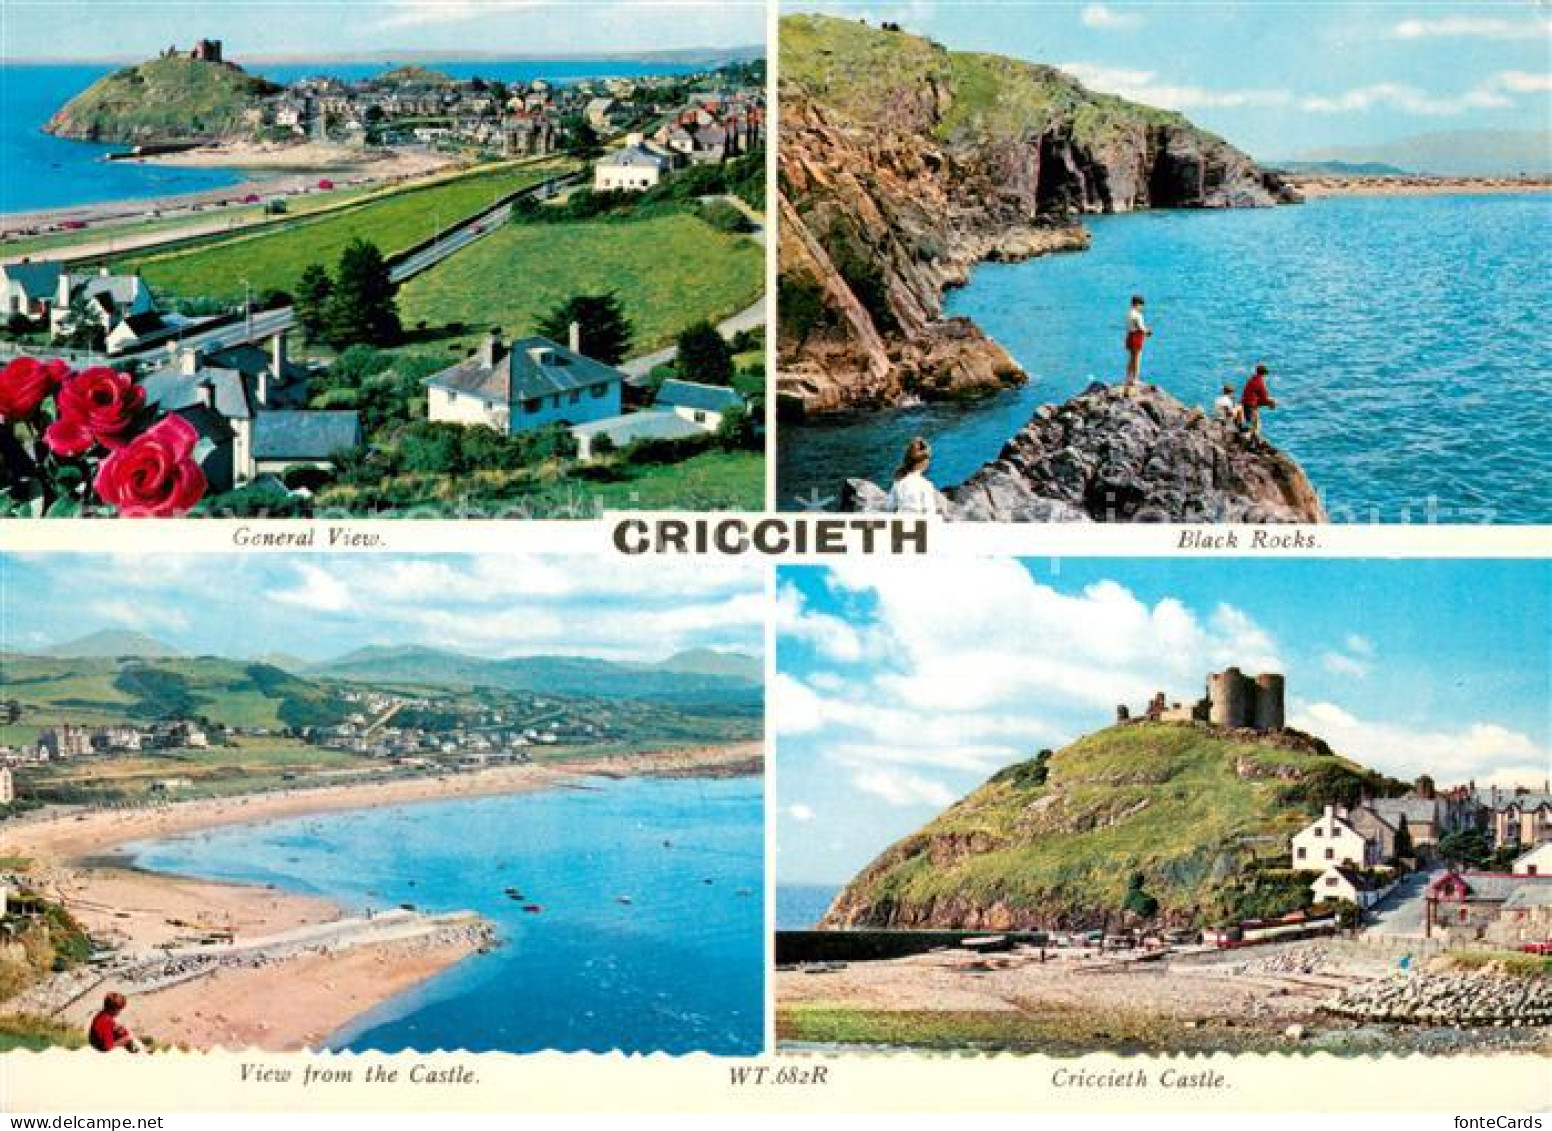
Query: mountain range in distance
{"type": "Point", "coordinates": [698, 669]}
{"type": "Point", "coordinates": [710, 56]}
{"type": "Point", "coordinates": [1452, 153]}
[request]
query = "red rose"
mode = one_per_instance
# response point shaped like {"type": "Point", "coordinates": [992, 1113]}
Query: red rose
{"type": "Point", "coordinates": [95, 406]}
{"type": "Point", "coordinates": [154, 475]}
{"type": "Point", "coordinates": [25, 382]}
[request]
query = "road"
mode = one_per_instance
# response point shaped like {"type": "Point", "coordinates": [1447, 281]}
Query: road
{"type": "Point", "coordinates": [1403, 912]}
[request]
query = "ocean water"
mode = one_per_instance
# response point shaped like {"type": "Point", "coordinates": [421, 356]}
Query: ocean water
{"type": "Point", "coordinates": [1406, 336]}
{"type": "Point", "coordinates": [680, 969]}
{"type": "Point", "coordinates": [39, 171]}
{"type": "Point", "coordinates": [800, 906]}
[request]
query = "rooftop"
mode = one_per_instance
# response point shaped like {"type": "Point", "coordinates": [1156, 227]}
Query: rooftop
{"type": "Point", "coordinates": [639, 426]}
{"type": "Point", "coordinates": [530, 367]}
{"type": "Point", "coordinates": [692, 394]}
{"type": "Point", "coordinates": [304, 435]}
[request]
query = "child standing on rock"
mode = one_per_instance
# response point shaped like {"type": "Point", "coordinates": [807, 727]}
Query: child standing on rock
{"type": "Point", "coordinates": [1137, 335]}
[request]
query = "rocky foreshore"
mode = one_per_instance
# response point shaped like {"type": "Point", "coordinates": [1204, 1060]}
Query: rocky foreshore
{"type": "Point", "coordinates": [1474, 998]}
{"type": "Point", "coordinates": [1110, 456]}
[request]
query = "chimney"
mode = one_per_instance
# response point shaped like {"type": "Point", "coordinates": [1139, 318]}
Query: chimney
{"type": "Point", "coordinates": [490, 349]}
{"type": "Point", "coordinates": [188, 361]}
{"type": "Point", "coordinates": [277, 352]}
{"type": "Point", "coordinates": [205, 394]}
{"type": "Point", "coordinates": [574, 338]}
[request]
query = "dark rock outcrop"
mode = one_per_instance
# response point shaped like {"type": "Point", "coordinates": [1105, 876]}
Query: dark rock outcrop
{"type": "Point", "coordinates": [1106, 456]}
{"type": "Point", "coordinates": [903, 165]}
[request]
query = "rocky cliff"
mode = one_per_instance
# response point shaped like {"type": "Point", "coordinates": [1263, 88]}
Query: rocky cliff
{"type": "Point", "coordinates": [1198, 818]}
{"type": "Point", "coordinates": [171, 98]}
{"type": "Point", "coordinates": [903, 165]}
{"type": "Point", "coordinates": [1106, 456]}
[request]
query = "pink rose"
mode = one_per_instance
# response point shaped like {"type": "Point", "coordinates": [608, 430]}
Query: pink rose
{"type": "Point", "coordinates": [154, 475]}
{"type": "Point", "coordinates": [95, 406]}
{"type": "Point", "coordinates": [25, 382]}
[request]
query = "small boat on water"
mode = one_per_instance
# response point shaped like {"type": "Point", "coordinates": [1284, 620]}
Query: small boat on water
{"type": "Point", "coordinates": [513, 893]}
{"type": "Point", "coordinates": [622, 899]}
{"type": "Point", "coordinates": [532, 908]}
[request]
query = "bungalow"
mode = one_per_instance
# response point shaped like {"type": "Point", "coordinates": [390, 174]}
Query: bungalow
{"type": "Point", "coordinates": [1526, 916]}
{"type": "Point", "coordinates": [27, 288]}
{"type": "Point", "coordinates": [1331, 841]}
{"type": "Point", "coordinates": [105, 298]}
{"type": "Point", "coordinates": [525, 386]}
{"type": "Point", "coordinates": [621, 431]}
{"type": "Point", "coordinates": [634, 168]}
{"type": "Point", "coordinates": [1469, 903]}
{"type": "Point", "coordinates": [1349, 884]}
{"type": "Point", "coordinates": [1536, 862]}
{"type": "Point", "coordinates": [705, 405]}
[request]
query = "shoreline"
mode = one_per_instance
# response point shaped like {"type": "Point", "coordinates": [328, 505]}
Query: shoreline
{"type": "Point", "coordinates": [1317, 186]}
{"type": "Point", "coordinates": [297, 1000]}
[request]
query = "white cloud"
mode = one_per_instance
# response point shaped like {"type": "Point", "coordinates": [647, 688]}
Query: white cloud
{"type": "Point", "coordinates": [1480, 751]}
{"type": "Point", "coordinates": [831, 636]}
{"type": "Point", "coordinates": [1102, 17]}
{"type": "Point", "coordinates": [139, 615]}
{"type": "Point", "coordinates": [1144, 87]}
{"type": "Point", "coordinates": [1523, 82]}
{"type": "Point", "coordinates": [903, 789]}
{"type": "Point", "coordinates": [1358, 645]}
{"type": "Point", "coordinates": [801, 812]}
{"type": "Point", "coordinates": [318, 589]}
{"type": "Point", "coordinates": [1339, 664]}
{"type": "Point", "coordinates": [1473, 27]}
{"type": "Point", "coordinates": [1407, 99]}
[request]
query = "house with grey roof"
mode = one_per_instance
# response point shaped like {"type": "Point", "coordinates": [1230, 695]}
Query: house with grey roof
{"type": "Point", "coordinates": [702, 405]}
{"type": "Point", "coordinates": [635, 168]}
{"type": "Point", "coordinates": [622, 431]}
{"type": "Point", "coordinates": [290, 439]}
{"type": "Point", "coordinates": [28, 288]}
{"type": "Point", "coordinates": [1468, 904]}
{"type": "Point", "coordinates": [99, 295]}
{"type": "Point", "coordinates": [524, 386]}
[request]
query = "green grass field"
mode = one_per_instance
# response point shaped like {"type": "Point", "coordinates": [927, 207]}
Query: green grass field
{"type": "Point", "coordinates": [24, 1031]}
{"type": "Point", "coordinates": [669, 272]}
{"type": "Point", "coordinates": [276, 256]}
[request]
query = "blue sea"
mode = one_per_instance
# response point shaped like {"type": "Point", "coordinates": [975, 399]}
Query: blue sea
{"type": "Point", "coordinates": [799, 907]}
{"type": "Point", "coordinates": [38, 171]}
{"type": "Point", "coordinates": [680, 969]}
{"type": "Point", "coordinates": [1407, 338]}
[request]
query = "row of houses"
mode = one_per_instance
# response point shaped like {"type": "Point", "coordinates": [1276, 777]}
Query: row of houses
{"type": "Point", "coordinates": [120, 309]}
{"type": "Point", "coordinates": [1507, 908]}
{"type": "Point", "coordinates": [535, 382]}
{"type": "Point", "coordinates": [67, 741]}
{"type": "Point", "coordinates": [711, 129]}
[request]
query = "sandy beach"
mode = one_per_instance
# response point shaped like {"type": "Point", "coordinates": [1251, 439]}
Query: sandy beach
{"type": "Point", "coordinates": [294, 1003]}
{"type": "Point", "coordinates": [1316, 186]}
{"type": "Point", "coordinates": [291, 170]}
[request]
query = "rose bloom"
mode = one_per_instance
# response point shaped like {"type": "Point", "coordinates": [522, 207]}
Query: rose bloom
{"type": "Point", "coordinates": [154, 475]}
{"type": "Point", "coordinates": [95, 406]}
{"type": "Point", "coordinates": [25, 382]}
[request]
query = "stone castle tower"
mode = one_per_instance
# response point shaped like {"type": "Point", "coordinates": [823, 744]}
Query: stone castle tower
{"type": "Point", "coordinates": [1234, 701]}
{"type": "Point", "coordinates": [207, 50]}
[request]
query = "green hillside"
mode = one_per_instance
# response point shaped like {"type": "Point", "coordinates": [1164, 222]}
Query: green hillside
{"type": "Point", "coordinates": [871, 75]}
{"type": "Point", "coordinates": [113, 642]}
{"type": "Point", "coordinates": [685, 679]}
{"type": "Point", "coordinates": [99, 690]}
{"type": "Point", "coordinates": [1203, 816]}
{"type": "Point", "coordinates": [166, 99]}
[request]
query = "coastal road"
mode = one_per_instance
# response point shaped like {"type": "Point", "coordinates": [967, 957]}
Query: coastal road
{"type": "Point", "coordinates": [263, 324]}
{"type": "Point", "coordinates": [1402, 913]}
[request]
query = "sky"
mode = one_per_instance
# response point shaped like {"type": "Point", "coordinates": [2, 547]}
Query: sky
{"type": "Point", "coordinates": [321, 29]}
{"type": "Point", "coordinates": [899, 690]}
{"type": "Point", "coordinates": [319, 606]}
{"type": "Point", "coordinates": [1276, 78]}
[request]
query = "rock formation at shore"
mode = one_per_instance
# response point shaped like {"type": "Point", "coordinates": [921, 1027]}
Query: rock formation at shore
{"type": "Point", "coordinates": [1199, 814]}
{"type": "Point", "coordinates": [903, 165]}
{"type": "Point", "coordinates": [172, 98]}
{"type": "Point", "coordinates": [1105, 456]}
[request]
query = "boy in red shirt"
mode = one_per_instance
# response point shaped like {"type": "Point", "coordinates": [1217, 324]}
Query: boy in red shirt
{"type": "Point", "coordinates": [105, 1033]}
{"type": "Point", "coordinates": [1256, 397]}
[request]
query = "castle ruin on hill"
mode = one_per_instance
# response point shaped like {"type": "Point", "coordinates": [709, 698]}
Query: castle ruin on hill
{"type": "Point", "coordinates": [1234, 701]}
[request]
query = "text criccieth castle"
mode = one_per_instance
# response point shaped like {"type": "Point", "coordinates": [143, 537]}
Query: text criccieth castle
{"type": "Point", "coordinates": [1234, 701]}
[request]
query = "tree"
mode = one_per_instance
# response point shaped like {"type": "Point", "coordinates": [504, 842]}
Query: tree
{"type": "Point", "coordinates": [362, 307]}
{"type": "Point", "coordinates": [1403, 840]}
{"type": "Point", "coordinates": [1470, 847]}
{"type": "Point", "coordinates": [705, 356]}
{"type": "Point", "coordinates": [82, 330]}
{"type": "Point", "coordinates": [581, 139]}
{"type": "Point", "coordinates": [605, 331]}
{"type": "Point", "coordinates": [312, 302]}
{"type": "Point", "coordinates": [1138, 901]}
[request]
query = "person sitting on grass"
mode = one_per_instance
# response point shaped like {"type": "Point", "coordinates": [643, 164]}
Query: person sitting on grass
{"type": "Point", "coordinates": [1137, 335]}
{"type": "Point", "coordinates": [913, 492]}
{"type": "Point", "coordinates": [105, 1033]}
{"type": "Point", "coordinates": [1256, 397]}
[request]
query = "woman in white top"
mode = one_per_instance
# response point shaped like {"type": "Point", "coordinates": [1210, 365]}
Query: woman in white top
{"type": "Point", "coordinates": [913, 492]}
{"type": "Point", "coordinates": [1137, 335]}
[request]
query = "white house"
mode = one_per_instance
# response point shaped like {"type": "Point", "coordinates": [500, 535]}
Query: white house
{"type": "Point", "coordinates": [632, 169]}
{"type": "Point", "coordinates": [104, 297]}
{"type": "Point", "coordinates": [704, 405]}
{"type": "Point", "coordinates": [1330, 841]}
{"type": "Point", "coordinates": [1339, 883]}
{"type": "Point", "coordinates": [27, 288]}
{"type": "Point", "coordinates": [525, 386]}
{"type": "Point", "coordinates": [1536, 862]}
{"type": "Point", "coordinates": [627, 429]}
